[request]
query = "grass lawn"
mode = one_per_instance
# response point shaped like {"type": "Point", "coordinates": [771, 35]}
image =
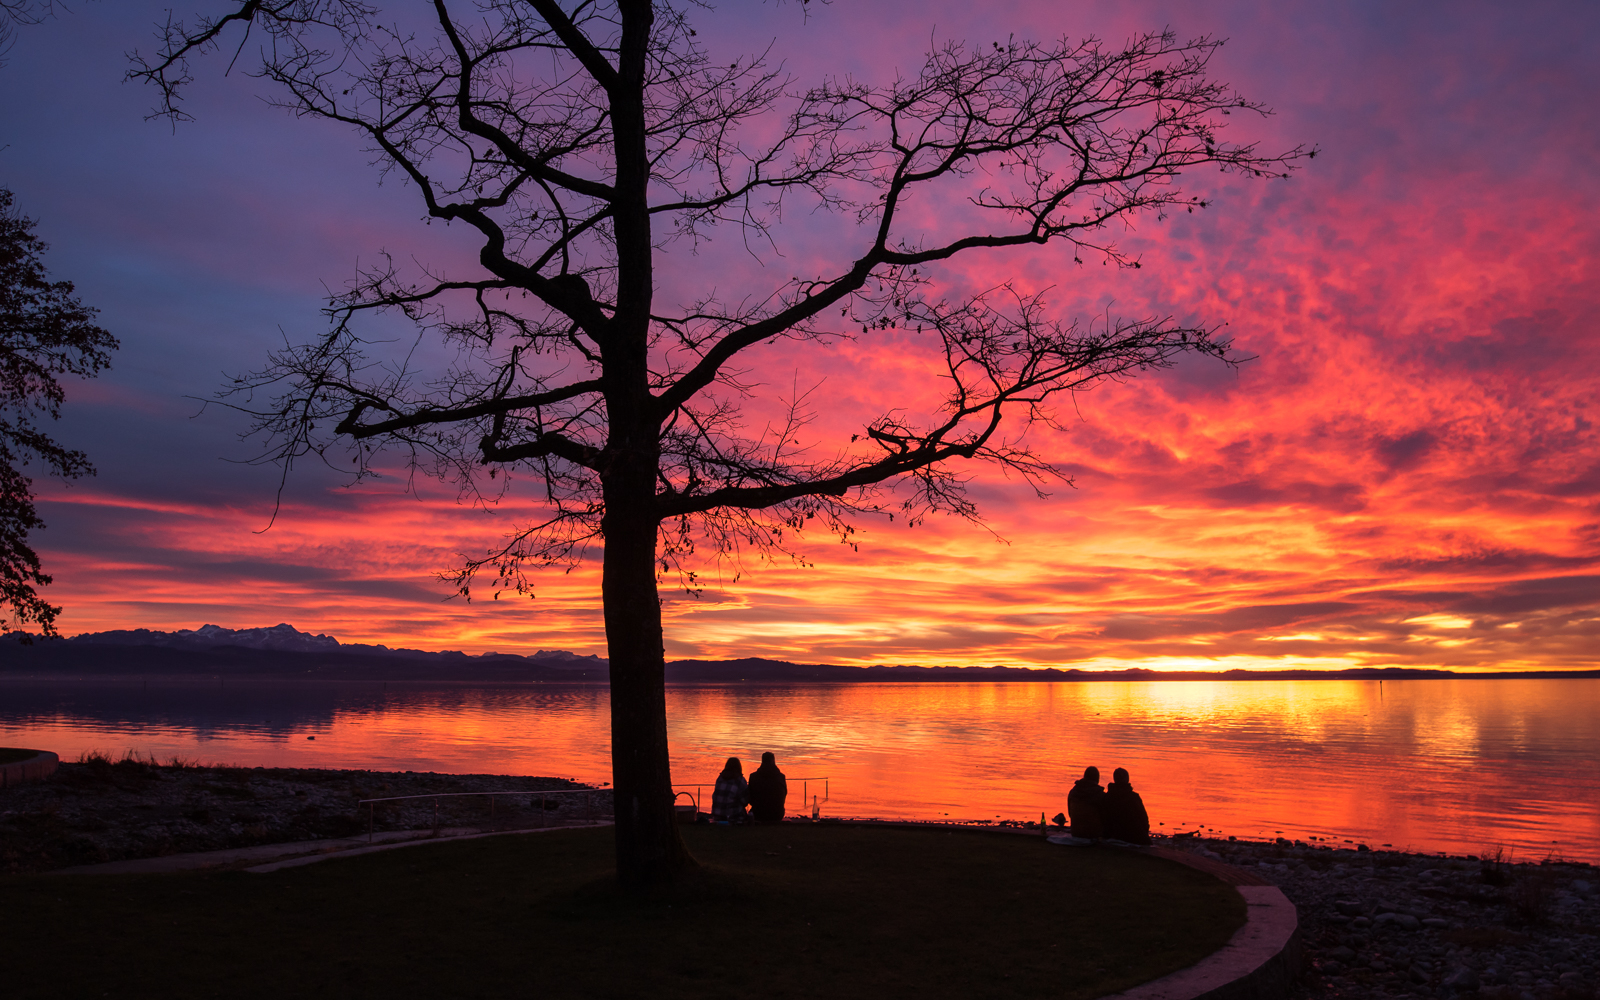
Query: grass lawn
{"type": "Point", "coordinates": [786, 911]}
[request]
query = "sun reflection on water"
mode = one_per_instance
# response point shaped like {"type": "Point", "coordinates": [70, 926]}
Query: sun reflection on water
{"type": "Point", "coordinates": [1459, 765]}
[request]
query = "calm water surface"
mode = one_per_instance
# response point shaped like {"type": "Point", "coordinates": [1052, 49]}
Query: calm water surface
{"type": "Point", "coordinates": [1437, 765]}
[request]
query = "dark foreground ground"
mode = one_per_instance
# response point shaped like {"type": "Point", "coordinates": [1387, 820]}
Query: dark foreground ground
{"type": "Point", "coordinates": [1376, 924]}
{"type": "Point", "coordinates": [797, 910]}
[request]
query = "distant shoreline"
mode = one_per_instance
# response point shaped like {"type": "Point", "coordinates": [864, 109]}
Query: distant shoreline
{"type": "Point", "coordinates": [702, 672]}
{"type": "Point", "coordinates": [283, 652]}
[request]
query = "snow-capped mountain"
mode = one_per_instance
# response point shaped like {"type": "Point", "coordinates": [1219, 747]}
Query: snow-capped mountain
{"type": "Point", "coordinates": [282, 637]}
{"type": "Point", "coordinates": [285, 638]}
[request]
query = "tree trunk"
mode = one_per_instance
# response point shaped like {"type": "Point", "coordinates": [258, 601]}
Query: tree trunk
{"type": "Point", "coordinates": [649, 849]}
{"type": "Point", "coordinates": [648, 846]}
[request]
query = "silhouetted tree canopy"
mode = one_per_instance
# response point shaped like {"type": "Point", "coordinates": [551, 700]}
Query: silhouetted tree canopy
{"type": "Point", "coordinates": [586, 141]}
{"type": "Point", "coordinates": [44, 332]}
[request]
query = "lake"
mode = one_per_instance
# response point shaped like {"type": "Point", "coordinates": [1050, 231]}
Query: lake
{"type": "Point", "coordinates": [1460, 765]}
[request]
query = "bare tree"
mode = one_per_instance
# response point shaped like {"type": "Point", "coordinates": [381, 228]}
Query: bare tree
{"type": "Point", "coordinates": [20, 12]}
{"type": "Point", "coordinates": [582, 141]}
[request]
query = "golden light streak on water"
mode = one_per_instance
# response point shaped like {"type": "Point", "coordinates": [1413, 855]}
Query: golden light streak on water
{"type": "Point", "coordinates": [1461, 765]}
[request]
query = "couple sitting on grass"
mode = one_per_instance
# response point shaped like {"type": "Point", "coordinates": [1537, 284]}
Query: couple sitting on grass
{"type": "Point", "coordinates": [763, 794]}
{"type": "Point", "coordinates": [1113, 813]}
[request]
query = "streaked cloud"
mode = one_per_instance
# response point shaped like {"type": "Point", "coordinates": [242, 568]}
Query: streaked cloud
{"type": "Point", "coordinates": [1408, 472]}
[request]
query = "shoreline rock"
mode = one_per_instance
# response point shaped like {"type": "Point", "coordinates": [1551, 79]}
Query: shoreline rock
{"type": "Point", "coordinates": [1390, 924]}
{"type": "Point", "coordinates": [99, 810]}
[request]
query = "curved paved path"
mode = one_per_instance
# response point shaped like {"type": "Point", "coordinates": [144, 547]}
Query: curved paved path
{"type": "Point", "coordinates": [1260, 961]}
{"type": "Point", "coordinates": [40, 766]}
{"type": "Point", "coordinates": [271, 857]}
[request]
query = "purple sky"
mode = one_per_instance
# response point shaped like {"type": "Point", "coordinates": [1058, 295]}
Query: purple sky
{"type": "Point", "coordinates": [1409, 473]}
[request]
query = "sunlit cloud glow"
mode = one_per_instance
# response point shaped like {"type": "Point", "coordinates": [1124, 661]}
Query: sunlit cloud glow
{"type": "Point", "coordinates": [1406, 473]}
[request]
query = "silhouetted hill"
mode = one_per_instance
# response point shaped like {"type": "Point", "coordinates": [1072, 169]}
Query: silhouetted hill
{"type": "Point", "coordinates": [285, 652]}
{"type": "Point", "coordinates": [757, 669]}
{"type": "Point", "coordinates": [280, 651]}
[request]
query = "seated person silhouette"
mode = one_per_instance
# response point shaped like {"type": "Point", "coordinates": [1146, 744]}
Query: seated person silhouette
{"type": "Point", "coordinates": [1122, 811]}
{"type": "Point", "coordinates": [1084, 805]}
{"type": "Point", "coordinates": [732, 794]}
{"type": "Point", "coordinates": [768, 789]}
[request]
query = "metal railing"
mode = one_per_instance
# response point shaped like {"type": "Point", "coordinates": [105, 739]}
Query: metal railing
{"type": "Point", "coordinates": [589, 794]}
{"type": "Point", "coordinates": [371, 804]}
{"type": "Point", "coordinates": [815, 805]}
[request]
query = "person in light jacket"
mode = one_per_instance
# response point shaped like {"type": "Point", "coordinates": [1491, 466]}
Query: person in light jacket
{"type": "Point", "coordinates": [732, 794]}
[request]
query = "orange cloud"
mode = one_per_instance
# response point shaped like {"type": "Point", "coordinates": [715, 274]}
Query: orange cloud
{"type": "Point", "coordinates": [1408, 472]}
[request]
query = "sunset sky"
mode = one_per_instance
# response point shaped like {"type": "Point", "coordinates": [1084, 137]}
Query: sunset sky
{"type": "Point", "coordinates": [1407, 474]}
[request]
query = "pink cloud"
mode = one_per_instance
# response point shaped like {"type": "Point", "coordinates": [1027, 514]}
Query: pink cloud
{"type": "Point", "coordinates": [1406, 473]}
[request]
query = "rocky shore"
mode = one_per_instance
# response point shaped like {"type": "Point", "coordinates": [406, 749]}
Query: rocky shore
{"type": "Point", "coordinates": [99, 810]}
{"type": "Point", "coordinates": [1389, 924]}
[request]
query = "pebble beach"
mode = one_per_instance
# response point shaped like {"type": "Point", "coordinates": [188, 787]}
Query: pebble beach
{"type": "Point", "coordinates": [1393, 924]}
{"type": "Point", "coordinates": [99, 810]}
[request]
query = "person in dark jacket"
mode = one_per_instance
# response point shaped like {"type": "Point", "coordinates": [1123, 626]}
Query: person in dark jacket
{"type": "Point", "coordinates": [768, 789]}
{"type": "Point", "coordinates": [1123, 811]}
{"type": "Point", "coordinates": [1084, 803]}
{"type": "Point", "coordinates": [732, 794]}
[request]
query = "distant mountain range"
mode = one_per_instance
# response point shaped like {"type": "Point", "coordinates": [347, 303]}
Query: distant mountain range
{"type": "Point", "coordinates": [285, 638]}
{"type": "Point", "coordinates": [282, 651]}
{"type": "Point", "coordinates": [285, 652]}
